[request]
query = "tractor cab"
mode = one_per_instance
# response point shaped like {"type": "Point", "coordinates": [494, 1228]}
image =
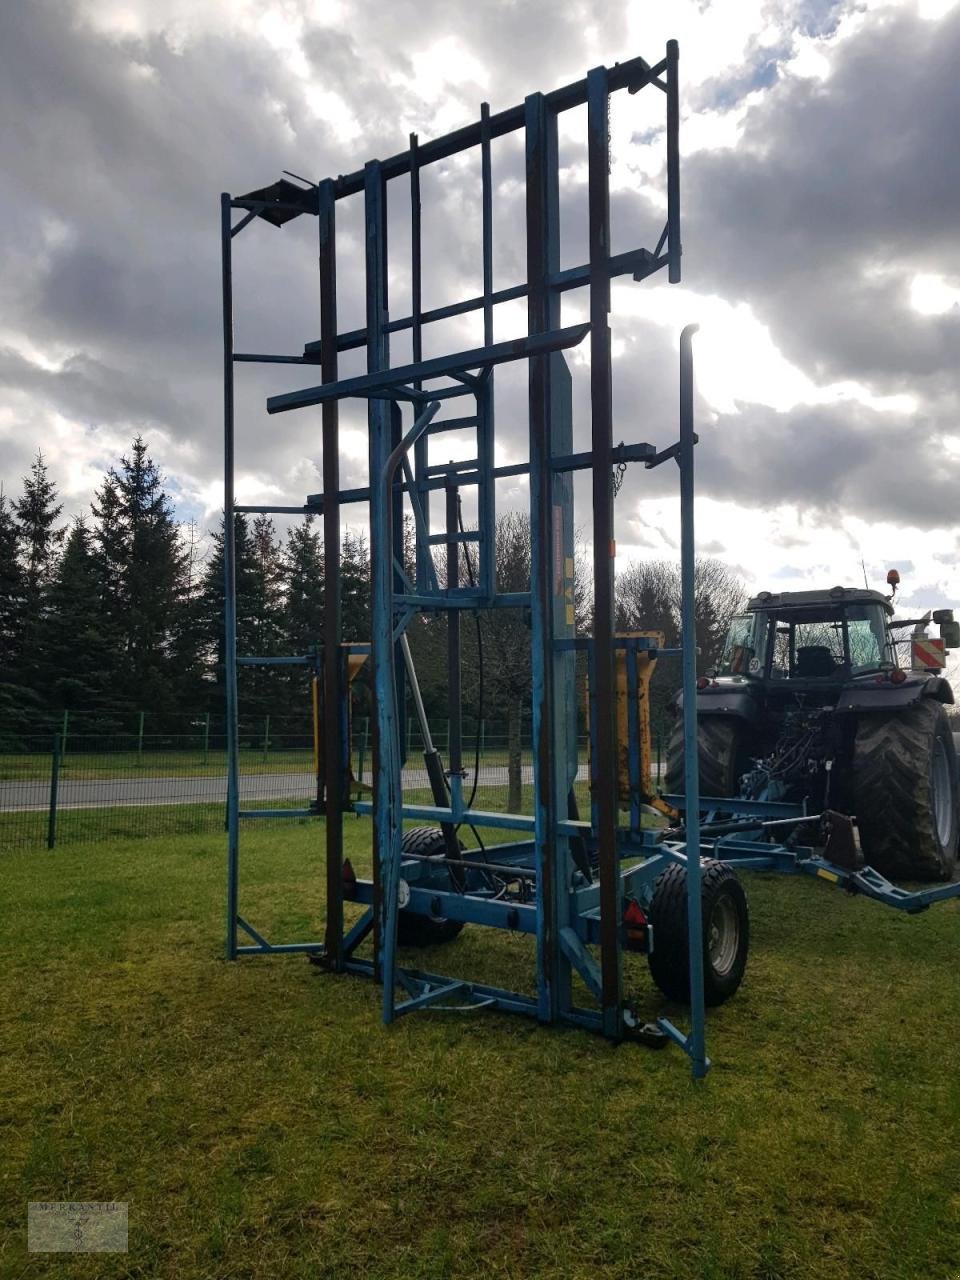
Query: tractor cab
{"type": "Point", "coordinates": [811, 637]}
{"type": "Point", "coordinates": [812, 640]}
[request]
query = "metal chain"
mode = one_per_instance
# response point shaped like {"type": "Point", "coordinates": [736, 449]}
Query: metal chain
{"type": "Point", "coordinates": [617, 475]}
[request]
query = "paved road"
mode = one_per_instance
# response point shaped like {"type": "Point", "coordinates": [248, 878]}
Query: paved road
{"type": "Point", "coordinates": [102, 793]}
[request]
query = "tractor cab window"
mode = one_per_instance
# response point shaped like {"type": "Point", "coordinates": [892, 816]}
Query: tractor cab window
{"type": "Point", "coordinates": [817, 649]}
{"type": "Point", "coordinates": [867, 638]}
{"type": "Point", "coordinates": [744, 646]}
{"type": "Point", "coordinates": [814, 644]}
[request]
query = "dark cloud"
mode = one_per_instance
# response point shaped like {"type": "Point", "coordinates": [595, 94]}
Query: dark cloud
{"type": "Point", "coordinates": [115, 150]}
{"type": "Point", "coordinates": [83, 388]}
{"type": "Point", "coordinates": [838, 194]}
{"type": "Point", "coordinates": [840, 459]}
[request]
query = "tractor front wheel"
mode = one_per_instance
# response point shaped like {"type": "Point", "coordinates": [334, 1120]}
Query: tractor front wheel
{"type": "Point", "coordinates": [726, 932]}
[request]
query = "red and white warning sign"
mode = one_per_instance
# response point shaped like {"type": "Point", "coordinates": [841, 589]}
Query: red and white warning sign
{"type": "Point", "coordinates": [928, 655]}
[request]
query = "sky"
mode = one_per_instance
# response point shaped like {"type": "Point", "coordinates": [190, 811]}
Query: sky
{"type": "Point", "coordinates": [820, 192]}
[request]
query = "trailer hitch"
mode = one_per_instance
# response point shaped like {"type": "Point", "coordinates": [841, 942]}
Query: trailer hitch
{"type": "Point", "coordinates": [840, 846]}
{"type": "Point", "coordinates": [835, 832]}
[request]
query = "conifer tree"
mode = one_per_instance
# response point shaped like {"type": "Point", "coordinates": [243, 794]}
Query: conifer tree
{"type": "Point", "coordinates": [80, 658]}
{"type": "Point", "coordinates": [37, 513]}
{"type": "Point", "coordinates": [264, 633]}
{"type": "Point", "coordinates": [12, 588]}
{"type": "Point", "coordinates": [257, 590]}
{"type": "Point", "coordinates": [141, 573]}
{"type": "Point", "coordinates": [303, 571]}
{"type": "Point", "coordinates": [355, 586]}
{"type": "Point", "coordinates": [188, 647]}
{"type": "Point", "coordinates": [303, 614]}
{"type": "Point", "coordinates": [15, 701]}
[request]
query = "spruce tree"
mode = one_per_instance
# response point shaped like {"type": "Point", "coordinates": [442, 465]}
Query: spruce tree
{"type": "Point", "coordinates": [141, 575]}
{"type": "Point", "coordinates": [188, 647]}
{"type": "Point", "coordinates": [303, 571]}
{"type": "Point", "coordinates": [264, 634]}
{"type": "Point", "coordinates": [355, 587]}
{"type": "Point", "coordinates": [17, 704]}
{"type": "Point", "coordinates": [302, 615]}
{"type": "Point", "coordinates": [12, 589]}
{"type": "Point", "coordinates": [37, 513]}
{"type": "Point", "coordinates": [210, 627]}
{"type": "Point", "coordinates": [79, 655]}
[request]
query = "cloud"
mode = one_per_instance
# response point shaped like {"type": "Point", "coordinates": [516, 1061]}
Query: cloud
{"type": "Point", "coordinates": [837, 195]}
{"type": "Point", "coordinates": [838, 459]}
{"type": "Point", "coordinates": [812, 204]}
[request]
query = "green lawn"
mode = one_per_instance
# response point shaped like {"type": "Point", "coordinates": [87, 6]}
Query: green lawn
{"type": "Point", "coordinates": [262, 1123]}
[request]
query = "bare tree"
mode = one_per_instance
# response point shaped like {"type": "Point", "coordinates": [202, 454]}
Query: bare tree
{"type": "Point", "coordinates": [507, 634]}
{"type": "Point", "coordinates": [648, 599]}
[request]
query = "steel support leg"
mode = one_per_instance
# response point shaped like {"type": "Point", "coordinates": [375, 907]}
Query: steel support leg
{"type": "Point", "coordinates": [604, 548]}
{"type": "Point", "coordinates": [386, 760]}
{"type": "Point", "coordinates": [229, 585]}
{"type": "Point", "coordinates": [688, 624]}
{"type": "Point", "coordinates": [543, 255]}
{"type": "Point", "coordinates": [333, 695]}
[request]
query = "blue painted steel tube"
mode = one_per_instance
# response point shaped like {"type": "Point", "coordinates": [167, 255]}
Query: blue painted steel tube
{"type": "Point", "coordinates": [543, 310]}
{"type": "Point", "coordinates": [335, 726]}
{"type": "Point", "coordinates": [426, 572]}
{"type": "Point", "coordinates": [673, 163]}
{"type": "Point", "coordinates": [604, 548]}
{"type": "Point", "coordinates": [486, 517]}
{"type": "Point", "coordinates": [229, 583]}
{"type": "Point", "coordinates": [689, 683]}
{"type": "Point", "coordinates": [386, 758]}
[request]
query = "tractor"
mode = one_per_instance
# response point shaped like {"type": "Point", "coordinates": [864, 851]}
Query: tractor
{"type": "Point", "coordinates": [810, 704]}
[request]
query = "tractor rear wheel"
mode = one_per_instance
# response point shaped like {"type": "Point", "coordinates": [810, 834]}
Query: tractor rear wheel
{"type": "Point", "coordinates": [726, 932]}
{"type": "Point", "coordinates": [906, 792]}
{"type": "Point", "coordinates": [413, 929]}
{"type": "Point", "coordinates": [721, 756]}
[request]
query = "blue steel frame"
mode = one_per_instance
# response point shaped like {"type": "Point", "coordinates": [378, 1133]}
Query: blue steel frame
{"type": "Point", "coordinates": [566, 910]}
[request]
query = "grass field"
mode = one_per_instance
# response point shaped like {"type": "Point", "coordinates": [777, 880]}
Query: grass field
{"type": "Point", "coordinates": [261, 1123]}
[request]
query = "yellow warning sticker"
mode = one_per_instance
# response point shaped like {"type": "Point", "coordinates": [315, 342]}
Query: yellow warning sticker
{"type": "Point", "coordinates": [827, 875]}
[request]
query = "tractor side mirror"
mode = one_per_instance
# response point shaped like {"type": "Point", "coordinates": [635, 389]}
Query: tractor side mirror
{"type": "Point", "coordinates": [950, 634]}
{"type": "Point", "coordinates": [942, 615]}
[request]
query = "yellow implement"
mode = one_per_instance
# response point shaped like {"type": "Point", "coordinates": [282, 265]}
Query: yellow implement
{"type": "Point", "coordinates": [646, 664]}
{"type": "Point", "coordinates": [354, 663]}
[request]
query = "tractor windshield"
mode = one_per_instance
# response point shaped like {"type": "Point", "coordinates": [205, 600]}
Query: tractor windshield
{"type": "Point", "coordinates": [828, 643]}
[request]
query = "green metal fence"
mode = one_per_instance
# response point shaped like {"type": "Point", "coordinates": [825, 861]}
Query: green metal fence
{"type": "Point", "coordinates": [66, 787]}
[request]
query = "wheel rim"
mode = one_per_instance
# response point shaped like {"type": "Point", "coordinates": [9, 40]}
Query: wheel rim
{"type": "Point", "coordinates": [942, 793]}
{"type": "Point", "coordinates": [723, 935]}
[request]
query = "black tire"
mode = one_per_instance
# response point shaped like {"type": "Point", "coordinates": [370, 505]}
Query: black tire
{"type": "Point", "coordinates": [721, 741]}
{"type": "Point", "coordinates": [726, 933]}
{"type": "Point", "coordinates": [413, 929]}
{"type": "Point", "coordinates": [905, 792]}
